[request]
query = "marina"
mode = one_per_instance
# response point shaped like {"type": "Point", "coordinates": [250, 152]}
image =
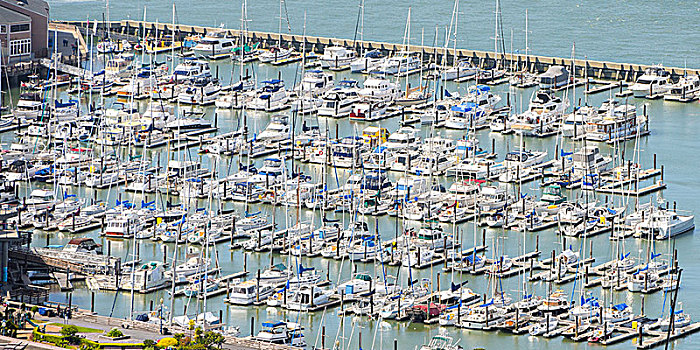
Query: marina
{"type": "Point", "coordinates": [285, 188]}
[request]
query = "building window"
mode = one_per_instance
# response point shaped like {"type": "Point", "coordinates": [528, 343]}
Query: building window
{"type": "Point", "coordinates": [16, 28]}
{"type": "Point", "coordinates": [3, 29]}
{"type": "Point", "coordinates": [20, 47]}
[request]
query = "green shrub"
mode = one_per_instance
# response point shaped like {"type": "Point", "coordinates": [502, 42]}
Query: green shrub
{"type": "Point", "coordinates": [115, 333]}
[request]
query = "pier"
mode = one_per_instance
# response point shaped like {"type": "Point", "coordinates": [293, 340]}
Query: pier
{"type": "Point", "coordinates": [600, 70]}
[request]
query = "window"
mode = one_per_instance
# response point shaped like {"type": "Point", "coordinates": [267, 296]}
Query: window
{"type": "Point", "coordinates": [16, 28]}
{"type": "Point", "coordinates": [20, 47]}
{"type": "Point", "coordinates": [3, 29]}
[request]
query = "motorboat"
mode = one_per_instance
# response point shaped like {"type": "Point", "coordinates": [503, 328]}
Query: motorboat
{"type": "Point", "coordinates": [685, 90]}
{"type": "Point", "coordinates": [277, 130]}
{"type": "Point", "coordinates": [655, 80]}
{"type": "Point", "coordinates": [338, 101]}
{"type": "Point", "coordinates": [368, 62]}
{"type": "Point", "coordinates": [464, 69]}
{"type": "Point", "coordinates": [379, 89]}
{"type": "Point", "coordinates": [619, 123]}
{"type": "Point", "coordinates": [275, 54]}
{"type": "Point", "coordinates": [213, 44]}
{"type": "Point", "coordinates": [544, 112]}
{"type": "Point", "coordinates": [554, 77]}
{"type": "Point", "coordinates": [618, 313]}
{"type": "Point", "coordinates": [402, 62]}
{"type": "Point", "coordinates": [315, 82]}
{"type": "Point", "coordinates": [189, 68]}
{"type": "Point", "coordinates": [337, 57]}
{"type": "Point", "coordinates": [665, 224]}
{"type": "Point", "coordinates": [272, 96]}
{"type": "Point", "coordinates": [282, 333]}
{"type": "Point", "coordinates": [549, 324]}
{"type": "Point", "coordinates": [249, 292]}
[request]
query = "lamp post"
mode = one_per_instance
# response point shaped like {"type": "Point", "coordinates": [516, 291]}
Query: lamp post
{"type": "Point", "coordinates": [161, 315]}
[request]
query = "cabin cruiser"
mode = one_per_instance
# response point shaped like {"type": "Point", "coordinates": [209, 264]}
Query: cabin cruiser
{"type": "Point", "coordinates": [544, 112]}
{"type": "Point", "coordinates": [271, 97]}
{"type": "Point", "coordinates": [588, 160]}
{"type": "Point", "coordinates": [270, 173]}
{"type": "Point", "coordinates": [664, 224]}
{"type": "Point", "coordinates": [275, 54]}
{"type": "Point", "coordinates": [466, 116]}
{"type": "Point", "coordinates": [685, 90]}
{"type": "Point", "coordinates": [189, 68]}
{"type": "Point", "coordinates": [338, 101]}
{"type": "Point", "coordinates": [404, 138]}
{"type": "Point", "coordinates": [145, 277]}
{"type": "Point", "coordinates": [308, 297]}
{"type": "Point", "coordinates": [554, 77]}
{"type": "Point", "coordinates": [201, 91]}
{"type": "Point", "coordinates": [369, 111]}
{"type": "Point", "coordinates": [249, 292]}
{"type": "Point", "coordinates": [464, 69]}
{"type": "Point", "coordinates": [281, 333]}
{"type": "Point", "coordinates": [483, 316]}
{"type": "Point", "coordinates": [213, 44]}
{"type": "Point", "coordinates": [619, 123]}
{"type": "Point", "coordinates": [476, 168]}
{"type": "Point", "coordinates": [655, 80]}
{"type": "Point", "coordinates": [519, 163]}
{"type": "Point", "coordinates": [379, 89]}
{"type": "Point", "coordinates": [556, 303]}
{"type": "Point", "coordinates": [401, 63]}
{"type": "Point", "coordinates": [336, 57]}
{"type": "Point", "coordinates": [575, 123]}
{"type": "Point", "coordinates": [277, 130]}
{"type": "Point", "coordinates": [315, 82]}
{"type": "Point", "coordinates": [368, 62]}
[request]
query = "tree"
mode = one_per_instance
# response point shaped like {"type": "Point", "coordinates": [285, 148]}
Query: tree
{"type": "Point", "coordinates": [213, 338]}
{"type": "Point", "coordinates": [149, 344]}
{"type": "Point", "coordinates": [69, 330]}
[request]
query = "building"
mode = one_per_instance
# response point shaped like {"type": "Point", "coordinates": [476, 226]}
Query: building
{"type": "Point", "coordinates": [24, 26]}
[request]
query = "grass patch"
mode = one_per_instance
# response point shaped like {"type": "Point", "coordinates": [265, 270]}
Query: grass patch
{"type": "Point", "coordinates": [80, 329]}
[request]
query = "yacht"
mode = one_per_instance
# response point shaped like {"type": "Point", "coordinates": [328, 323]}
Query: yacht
{"type": "Point", "coordinates": [315, 82]}
{"type": "Point", "coordinates": [464, 69]}
{"type": "Point", "coordinates": [379, 89]}
{"type": "Point", "coordinates": [680, 320]}
{"type": "Point", "coordinates": [338, 101]}
{"type": "Point", "coordinates": [620, 123]}
{"type": "Point", "coordinates": [273, 96]}
{"type": "Point", "coordinates": [277, 130]}
{"type": "Point", "coordinates": [249, 292]}
{"type": "Point", "coordinates": [655, 80]}
{"type": "Point", "coordinates": [401, 63]}
{"type": "Point", "coordinates": [368, 62]}
{"type": "Point", "coordinates": [189, 68]}
{"type": "Point", "coordinates": [544, 112]}
{"type": "Point", "coordinates": [336, 57]}
{"type": "Point", "coordinates": [685, 90]}
{"type": "Point", "coordinates": [282, 333]}
{"type": "Point", "coordinates": [213, 44]}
